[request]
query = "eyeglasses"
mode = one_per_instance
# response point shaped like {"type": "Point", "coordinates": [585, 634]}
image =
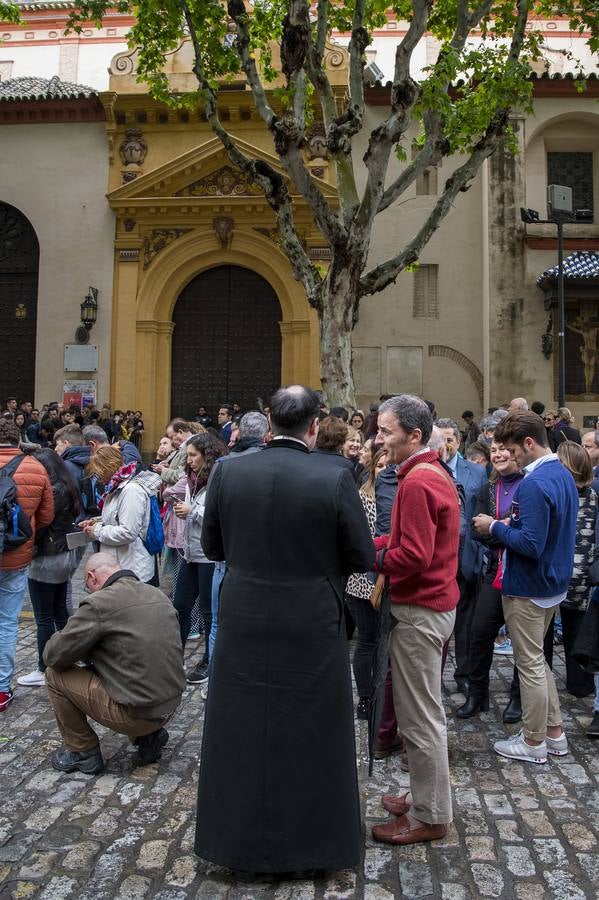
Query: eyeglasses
{"type": "Point", "coordinates": [548, 418]}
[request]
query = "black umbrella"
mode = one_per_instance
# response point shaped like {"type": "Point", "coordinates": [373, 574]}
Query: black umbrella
{"type": "Point", "coordinates": [382, 596]}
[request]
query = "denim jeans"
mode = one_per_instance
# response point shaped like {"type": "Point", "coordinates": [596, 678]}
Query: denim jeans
{"type": "Point", "coordinates": [12, 594]}
{"type": "Point", "coordinates": [219, 574]}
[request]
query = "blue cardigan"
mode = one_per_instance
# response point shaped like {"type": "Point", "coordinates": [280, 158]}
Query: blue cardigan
{"type": "Point", "coordinates": [541, 535]}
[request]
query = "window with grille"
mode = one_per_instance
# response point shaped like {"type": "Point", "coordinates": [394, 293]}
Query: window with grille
{"type": "Point", "coordinates": [573, 170]}
{"type": "Point", "coordinates": [426, 301]}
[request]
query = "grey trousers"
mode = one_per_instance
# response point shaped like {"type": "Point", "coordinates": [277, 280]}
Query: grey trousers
{"type": "Point", "coordinates": [416, 649]}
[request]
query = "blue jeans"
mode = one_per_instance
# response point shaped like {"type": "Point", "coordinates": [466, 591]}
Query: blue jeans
{"type": "Point", "coordinates": [219, 574]}
{"type": "Point", "coordinates": [12, 594]}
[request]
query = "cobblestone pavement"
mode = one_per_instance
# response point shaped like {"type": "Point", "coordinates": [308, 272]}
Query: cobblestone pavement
{"type": "Point", "coordinates": [520, 831]}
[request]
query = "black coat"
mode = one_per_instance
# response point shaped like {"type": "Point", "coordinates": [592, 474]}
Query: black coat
{"type": "Point", "coordinates": [278, 785]}
{"type": "Point", "coordinates": [562, 432]}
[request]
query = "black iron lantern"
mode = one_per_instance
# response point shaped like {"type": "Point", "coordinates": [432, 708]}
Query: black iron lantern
{"type": "Point", "coordinates": [89, 309]}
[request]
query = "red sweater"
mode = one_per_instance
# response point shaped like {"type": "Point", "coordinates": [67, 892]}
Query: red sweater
{"type": "Point", "coordinates": [422, 547]}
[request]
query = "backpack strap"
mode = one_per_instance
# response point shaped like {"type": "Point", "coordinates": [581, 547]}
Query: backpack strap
{"type": "Point", "coordinates": [11, 467]}
{"type": "Point", "coordinates": [439, 472]}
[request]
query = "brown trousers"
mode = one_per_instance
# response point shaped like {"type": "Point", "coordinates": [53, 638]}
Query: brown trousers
{"type": "Point", "coordinates": [77, 693]}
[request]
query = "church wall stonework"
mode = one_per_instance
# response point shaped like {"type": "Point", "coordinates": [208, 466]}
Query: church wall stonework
{"type": "Point", "coordinates": [57, 175]}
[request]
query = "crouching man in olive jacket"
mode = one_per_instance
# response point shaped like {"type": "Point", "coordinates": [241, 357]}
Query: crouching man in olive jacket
{"type": "Point", "coordinates": [128, 634]}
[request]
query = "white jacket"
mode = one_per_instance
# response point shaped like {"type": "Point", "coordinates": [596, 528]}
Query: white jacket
{"type": "Point", "coordinates": [124, 524]}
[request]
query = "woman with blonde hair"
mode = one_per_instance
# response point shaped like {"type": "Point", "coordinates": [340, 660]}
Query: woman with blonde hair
{"type": "Point", "coordinates": [578, 462]}
{"type": "Point", "coordinates": [124, 511]}
{"type": "Point", "coordinates": [563, 429]}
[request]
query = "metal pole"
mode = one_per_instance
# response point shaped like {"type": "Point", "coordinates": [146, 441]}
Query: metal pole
{"type": "Point", "coordinates": [561, 344]}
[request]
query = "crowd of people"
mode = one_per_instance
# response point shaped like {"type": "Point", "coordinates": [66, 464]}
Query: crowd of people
{"type": "Point", "coordinates": [267, 530]}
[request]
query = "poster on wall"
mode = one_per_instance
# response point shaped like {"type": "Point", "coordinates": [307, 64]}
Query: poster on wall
{"type": "Point", "coordinates": [79, 393]}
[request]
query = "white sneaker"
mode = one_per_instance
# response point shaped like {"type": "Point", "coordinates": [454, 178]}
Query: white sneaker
{"type": "Point", "coordinates": [34, 679]}
{"type": "Point", "coordinates": [517, 748]}
{"type": "Point", "coordinates": [557, 746]}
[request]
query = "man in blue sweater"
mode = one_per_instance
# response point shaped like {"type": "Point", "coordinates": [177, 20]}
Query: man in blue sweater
{"type": "Point", "coordinates": [537, 567]}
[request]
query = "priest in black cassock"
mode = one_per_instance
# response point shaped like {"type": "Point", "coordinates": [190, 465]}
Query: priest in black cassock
{"type": "Point", "coordinates": [278, 788]}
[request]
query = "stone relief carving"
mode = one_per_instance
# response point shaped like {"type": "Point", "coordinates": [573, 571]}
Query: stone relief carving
{"type": "Point", "coordinates": [133, 148]}
{"type": "Point", "coordinates": [225, 182]}
{"type": "Point", "coordinates": [158, 239]}
{"type": "Point", "coordinates": [316, 145]}
{"type": "Point", "coordinates": [224, 226]}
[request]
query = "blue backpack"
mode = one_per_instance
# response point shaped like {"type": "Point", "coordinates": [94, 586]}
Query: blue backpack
{"type": "Point", "coordinates": [15, 527]}
{"type": "Point", "coordinates": [154, 539]}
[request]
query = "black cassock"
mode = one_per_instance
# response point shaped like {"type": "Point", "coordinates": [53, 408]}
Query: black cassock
{"type": "Point", "coordinates": [278, 785]}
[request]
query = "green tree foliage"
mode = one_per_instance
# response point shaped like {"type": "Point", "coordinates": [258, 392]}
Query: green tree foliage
{"type": "Point", "coordinates": [461, 106]}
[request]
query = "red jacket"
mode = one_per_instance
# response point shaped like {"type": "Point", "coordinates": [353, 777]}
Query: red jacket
{"type": "Point", "coordinates": [34, 495]}
{"type": "Point", "coordinates": [422, 547]}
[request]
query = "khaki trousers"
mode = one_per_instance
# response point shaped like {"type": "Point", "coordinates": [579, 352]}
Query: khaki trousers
{"type": "Point", "coordinates": [527, 624]}
{"type": "Point", "coordinates": [416, 649]}
{"type": "Point", "coordinates": [77, 693]}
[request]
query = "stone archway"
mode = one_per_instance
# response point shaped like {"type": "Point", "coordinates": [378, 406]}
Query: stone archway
{"type": "Point", "coordinates": [144, 302]}
{"type": "Point", "coordinates": [19, 266]}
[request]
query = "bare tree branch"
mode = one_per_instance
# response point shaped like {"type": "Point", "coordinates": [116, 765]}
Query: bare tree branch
{"type": "Point", "coordinates": [259, 172]}
{"type": "Point", "coordinates": [239, 15]}
{"type": "Point", "coordinates": [384, 274]}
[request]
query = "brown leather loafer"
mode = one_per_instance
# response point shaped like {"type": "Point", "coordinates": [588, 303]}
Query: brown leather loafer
{"type": "Point", "coordinates": [402, 831]}
{"type": "Point", "coordinates": [397, 806]}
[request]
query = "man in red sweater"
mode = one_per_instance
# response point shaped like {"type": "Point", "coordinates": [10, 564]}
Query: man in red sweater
{"type": "Point", "coordinates": [420, 557]}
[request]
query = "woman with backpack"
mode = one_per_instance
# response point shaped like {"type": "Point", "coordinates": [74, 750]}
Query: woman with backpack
{"type": "Point", "coordinates": [126, 521]}
{"type": "Point", "coordinates": [196, 571]}
{"type": "Point", "coordinates": [53, 562]}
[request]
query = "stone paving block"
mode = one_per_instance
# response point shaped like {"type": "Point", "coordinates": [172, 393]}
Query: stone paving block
{"type": "Point", "coordinates": [415, 879]}
{"type": "Point", "coordinates": [127, 838]}
{"type": "Point", "coordinates": [38, 865]}
{"type": "Point", "coordinates": [498, 804]}
{"type": "Point", "coordinates": [590, 864]}
{"type": "Point", "coordinates": [106, 823]}
{"type": "Point", "coordinates": [340, 886]}
{"type": "Point", "coordinates": [213, 890]}
{"type": "Point", "coordinates": [508, 830]}
{"type": "Point", "coordinates": [529, 891]}
{"type": "Point", "coordinates": [183, 871]}
{"type": "Point", "coordinates": [377, 863]}
{"type": "Point", "coordinates": [455, 892]}
{"type": "Point", "coordinates": [562, 886]}
{"type": "Point", "coordinates": [488, 879]}
{"type": "Point", "coordinates": [550, 852]}
{"type": "Point", "coordinates": [153, 854]}
{"type": "Point", "coordinates": [59, 888]}
{"type": "Point", "coordinates": [578, 836]}
{"type": "Point", "coordinates": [18, 846]}
{"type": "Point", "coordinates": [129, 793]}
{"type": "Point", "coordinates": [20, 890]}
{"type": "Point", "coordinates": [42, 818]}
{"type": "Point", "coordinates": [6, 829]}
{"type": "Point", "coordinates": [377, 892]}
{"type": "Point", "coordinates": [481, 848]}
{"type": "Point", "coordinates": [519, 861]}
{"type": "Point", "coordinates": [81, 856]}
{"type": "Point", "coordinates": [538, 823]}
{"type": "Point", "coordinates": [134, 887]}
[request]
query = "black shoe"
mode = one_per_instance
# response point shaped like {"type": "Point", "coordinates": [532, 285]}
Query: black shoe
{"type": "Point", "coordinates": [89, 762]}
{"type": "Point", "coordinates": [593, 729]}
{"type": "Point", "coordinates": [363, 708]}
{"type": "Point", "coordinates": [198, 675]}
{"type": "Point", "coordinates": [149, 746]}
{"type": "Point", "coordinates": [462, 684]}
{"type": "Point", "coordinates": [513, 711]}
{"type": "Point", "coordinates": [473, 706]}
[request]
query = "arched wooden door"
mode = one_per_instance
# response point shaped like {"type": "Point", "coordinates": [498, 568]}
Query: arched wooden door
{"type": "Point", "coordinates": [227, 341]}
{"type": "Point", "coordinates": [19, 264]}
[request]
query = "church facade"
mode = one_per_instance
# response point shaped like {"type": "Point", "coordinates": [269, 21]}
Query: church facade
{"type": "Point", "coordinates": [101, 186]}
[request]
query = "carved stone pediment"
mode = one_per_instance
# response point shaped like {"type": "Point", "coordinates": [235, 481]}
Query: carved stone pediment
{"type": "Point", "coordinates": [225, 182]}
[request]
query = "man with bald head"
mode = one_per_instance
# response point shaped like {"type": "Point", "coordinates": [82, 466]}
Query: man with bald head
{"type": "Point", "coordinates": [128, 634]}
{"type": "Point", "coordinates": [518, 403]}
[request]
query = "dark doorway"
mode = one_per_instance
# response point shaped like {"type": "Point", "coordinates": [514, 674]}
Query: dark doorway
{"type": "Point", "coordinates": [226, 342]}
{"type": "Point", "coordinates": [19, 262]}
